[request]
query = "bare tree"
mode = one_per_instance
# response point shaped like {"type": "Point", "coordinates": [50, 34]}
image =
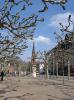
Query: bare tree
{"type": "Point", "coordinates": [17, 26]}
{"type": "Point", "coordinates": [53, 2]}
{"type": "Point", "coordinates": [66, 45]}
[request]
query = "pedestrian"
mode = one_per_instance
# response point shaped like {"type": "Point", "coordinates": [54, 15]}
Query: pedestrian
{"type": "Point", "coordinates": [2, 75]}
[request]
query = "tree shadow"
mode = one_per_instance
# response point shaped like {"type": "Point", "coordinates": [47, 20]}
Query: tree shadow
{"type": "Point", "coordinates": [66, 99]}
{"type": "Point", "coordinates": [10, 89]}
{"type": "Point", "coordinates": [43, 83]}
{"type": "Point", "coordinates": [1, 96]}
{"type": "Point", "coordinates": [57, 98]}
{"type": "Point", "coordinates": [51, 96]}
{"type": "Point", "coordinates": [2, 91]}
{"type": "Point", "coordinates": [22, 97]}
{"type": "Point", "coordinates": [65, 89]}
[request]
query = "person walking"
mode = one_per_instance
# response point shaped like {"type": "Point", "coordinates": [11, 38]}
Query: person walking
{"type": "Point", "coordinates": [2, 75]}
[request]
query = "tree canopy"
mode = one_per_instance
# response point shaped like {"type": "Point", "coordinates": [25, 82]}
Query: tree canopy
{"type": "Point", "coordinates": [16, 27]}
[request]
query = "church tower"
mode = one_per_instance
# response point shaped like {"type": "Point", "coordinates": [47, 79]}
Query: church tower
{"type": "Point", "coordinates": [33, 61]}
{"type": "Point", "coordinates": [33, 54]}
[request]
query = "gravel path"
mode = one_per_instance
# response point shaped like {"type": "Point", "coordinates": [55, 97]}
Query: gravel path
{"type": "Point", "coordinates": [28, 88]}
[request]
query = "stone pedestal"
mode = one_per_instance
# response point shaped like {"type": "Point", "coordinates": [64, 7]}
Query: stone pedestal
{"type": "Point", "coordinates": [34, 71]}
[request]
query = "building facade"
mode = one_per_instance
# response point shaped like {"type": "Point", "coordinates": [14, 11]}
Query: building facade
{"type": "Point", "coordinates": [61, 57]}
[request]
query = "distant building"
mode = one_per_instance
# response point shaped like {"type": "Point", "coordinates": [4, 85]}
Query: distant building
{"type": "Point", "coordinates": [63, 54]}
{"type": "Point", "coordinates": [10, 69]}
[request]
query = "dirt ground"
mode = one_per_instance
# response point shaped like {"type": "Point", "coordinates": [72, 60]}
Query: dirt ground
{"type": "Point", "coordinates": [28, 88]}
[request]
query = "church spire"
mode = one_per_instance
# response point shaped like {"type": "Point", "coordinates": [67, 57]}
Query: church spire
{"type": "Point", "coordinates": [33, 53]}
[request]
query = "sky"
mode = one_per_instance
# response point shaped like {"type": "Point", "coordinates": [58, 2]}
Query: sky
{"type": "Point", "coordinates": [44, 37]}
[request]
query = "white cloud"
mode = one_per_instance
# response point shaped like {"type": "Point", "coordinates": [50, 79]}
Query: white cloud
{"type": "Point", "coordinates": [42, 40]}
{"type": "Point", "coordinates": [63, 18]}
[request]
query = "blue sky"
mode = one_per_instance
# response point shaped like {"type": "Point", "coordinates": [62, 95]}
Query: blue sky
{"type": "Point", "coordinates": [44, 35]}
